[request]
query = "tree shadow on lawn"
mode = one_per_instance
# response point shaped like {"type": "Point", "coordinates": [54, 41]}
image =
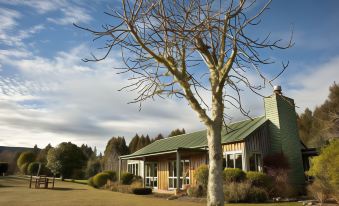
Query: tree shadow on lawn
{"type": "Point", "coordinates": [65, 189]}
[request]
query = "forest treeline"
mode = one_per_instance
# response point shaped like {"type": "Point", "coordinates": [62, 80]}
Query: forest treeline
{"type": "Point", "coordinates": [71, 161]}
{"type": "Point", "coordinates": [318, 127]}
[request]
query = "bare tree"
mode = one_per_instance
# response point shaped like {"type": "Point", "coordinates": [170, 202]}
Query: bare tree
{"type": "Point", "coordinates": [184, 48]}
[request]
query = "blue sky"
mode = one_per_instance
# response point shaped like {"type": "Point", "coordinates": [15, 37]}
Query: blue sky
{"type": "Point", "coordinates": [48, 95]}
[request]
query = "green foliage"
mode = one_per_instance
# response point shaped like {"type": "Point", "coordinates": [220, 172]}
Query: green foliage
{"type": "Point", "coordinates": [257, 194]}
{"type": "Point", "coordinates": [112, 176]}
{"type": "Point", "coordinates": [25, 157]}
{"type": "Point", "coordinates": [23, 168]}
{"type": "Point", "coordinates": [42, 155]}
{"type": "Point", "coordinates": [233, 175]}
{"type": "Point", "coordinates": [177, 132]}
{"type": "Point", "coordinates": [318, 127]}
{"type": "Point", "coordinates": [142, 191]}
{"type": "Point", "coordinates": [197, 191]}
{"type": "Point", "coordinates": [201, 176]}
{"type": "Point", "coordinates": [259, 179]}
{"type": "Point", "coordinates": [100, 179]}
{"type": "Point", "coordinates": [325, 168]}
{"type": "Point", "coordinates": [115, 147]}
{"type": "Point", "coordinates": [93, 167]}
{"type": "Point", "coordinates": [236, 191]}
{"type": "Point", "coordinates": [90, 182]}
{"type": "Point", "coordinates": [3, 167]}
{"type": "Point", "coordinates": [33, 168]}
{"type": "Point", "coordinates": [66, 159]}
{"type": "Point", "coordinates": [127, 178]}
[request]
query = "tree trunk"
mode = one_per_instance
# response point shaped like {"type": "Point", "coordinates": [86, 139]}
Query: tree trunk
{"type": "Point", "coordinates": [215, 195]}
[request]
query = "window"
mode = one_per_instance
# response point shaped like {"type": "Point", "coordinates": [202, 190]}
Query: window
{"type": "Point", "coordinates": [151, 175]}
{"type": "Point", "coordinates": [184, 173]}
{"type": "Point", "coordinates": [234, 160]}
{"type": "Point", "coordinates": [133, 168]}
{"type": "Point", "coordinates": [255, 162]}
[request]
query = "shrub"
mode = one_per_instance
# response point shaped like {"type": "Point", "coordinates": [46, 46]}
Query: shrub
{"type": "Point", "coordinates": [236, 191]}
{"type": "Point", "coordinates": [126, 178]}
{"type": "Point", "coordinates": [136, 184]}
{"type": "Point", "coordinates": [201, 176]}
{"type": "Point", "coordinates": [93, 167]}
{"type": "Point", "coordinates": [25, 157]}
{"type": "Point", "coordinates": [234, 175]}
{"type": "Point", "coordinates": [90, 182]}
{"type": "Point", "coordinates": [259, 179]}
{"type": "Point", "coordinates": [256, 194]}
{"type": "Point", "coordinates": [3, 168]}
{"type": "Point", "coordinates": [196, 191]}
{"type": "Point", "coordinates": [319, 191]}
{"type": "Point", "coordinates": [100, 179]}
{"type": "Point", "coordinates": [325, 169]}
{"type": "Point", "coordinates": [142, 191]}
{"type": "Point", "coordinates": [112, 176]}
{"type": "Point", "coordinates": [277, 167]}
{"type": "Point", "coordinates": [23, 168]}
{"type": "Point", "coordinates": [33, 168]}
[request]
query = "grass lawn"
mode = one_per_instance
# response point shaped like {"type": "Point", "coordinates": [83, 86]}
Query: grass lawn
{"type": "Point", "coordinates": [14, 191]}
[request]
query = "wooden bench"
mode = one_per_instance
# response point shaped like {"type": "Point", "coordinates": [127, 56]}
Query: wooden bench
{"type": "Point", "coordinates": [41, 181]}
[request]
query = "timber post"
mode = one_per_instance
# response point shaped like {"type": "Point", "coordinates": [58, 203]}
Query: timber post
{"type": "Point", "coordinates": [178, 161]}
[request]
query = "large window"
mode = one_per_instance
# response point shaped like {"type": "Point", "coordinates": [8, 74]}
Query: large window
{"type": "Point", "coordinates": [234, 160]}
{"type": "Point", "coordinates": [184, 173]}
{"type": "Point", "coordinates": [255, 162]}
{"type": "Point", "coordinates": [151, 175]}
{"type": "Point", "coordinates": [133, 168]}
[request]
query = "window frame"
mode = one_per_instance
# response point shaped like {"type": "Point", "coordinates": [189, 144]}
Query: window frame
{"type": "Point", "coordinates": [173, 178]}
{"type": "Point", "coordinates": [259, 168]}
{"type": "Point", "coordinates": [235, 152]}
{"type": "Point", "coordinates": [133, 168]}
{"type": "Point", "coordinates": [150, 175]}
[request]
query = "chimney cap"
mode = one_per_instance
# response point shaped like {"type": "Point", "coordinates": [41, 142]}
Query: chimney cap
{"type": "Point", "coordinates": [277, 89]}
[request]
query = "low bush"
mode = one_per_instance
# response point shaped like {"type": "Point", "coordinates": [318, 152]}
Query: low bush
{"type": "Point", "coordinates": [112, 176]}
{"type": "Point", "coordinates": [116, 187]}
{"type": "Point", "coordinates": [257, 194]}
{"type": "Point", "coordinates": [234, 175]}
{"type": "Point", "coordinates": [196, 191]}
{"type": "Point", "coordinates": [259, 179]}
{"type": "Point", "coordinates": [236, 191]}
{"type": "Point", "coordinates": [23, 168]}
{"type": "Point", "coordinates": [319, 191]}
{"type": "Point", "coordinates": [100, 179]}
{"type": "Point", "coordinates": [136, 184]}
{"type": "Point", "coordinates": [127, 178]}
{"type": "Point", "coordinates": [201, 176]}
{"type": "Point", "coordinates": [90, 182]}
{"type": "Point", "coordinates": [142, 191]}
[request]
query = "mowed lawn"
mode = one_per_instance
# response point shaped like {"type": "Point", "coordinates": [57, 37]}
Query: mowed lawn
{"type": "Point", "coordinates": [14, 191]}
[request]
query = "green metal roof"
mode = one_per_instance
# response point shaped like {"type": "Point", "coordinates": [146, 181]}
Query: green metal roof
{"type": "Point", "coordinates": [235, 132]}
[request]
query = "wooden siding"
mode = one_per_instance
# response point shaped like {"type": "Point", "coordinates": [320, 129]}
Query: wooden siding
{"type": "Point", "coordinates": [163, 174]}
{"type": "Point", "coordinates": [258, 141]}
{"type": "Point", "coordinates": [195, 162]}
{"type": "Point", "coordinates": [233, 147]}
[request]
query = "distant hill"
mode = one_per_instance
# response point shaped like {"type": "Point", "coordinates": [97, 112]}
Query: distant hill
{"type": "Point", "coordinates": [14, 149]}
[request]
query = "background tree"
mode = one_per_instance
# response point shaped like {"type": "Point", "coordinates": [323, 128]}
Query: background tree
{"type": "Point", "coordinates": [42, 155]}
{"type": "Point", "coordinates": [318, 127]}
{"type": "Point", "coordinates": [177, 132]}
{"type": "Point", "coordinates": [24, 160]}
{"type": "Point", "coordinates": [158, 137]}
{"type": "Point", "coordinates": [184, 48]}
{"type": "Point", "coordinates": [115, 147]}
{"type": "Point", "coordinates": [133, 143]}
{"type": "Point", "coordinates": [66, 159]}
